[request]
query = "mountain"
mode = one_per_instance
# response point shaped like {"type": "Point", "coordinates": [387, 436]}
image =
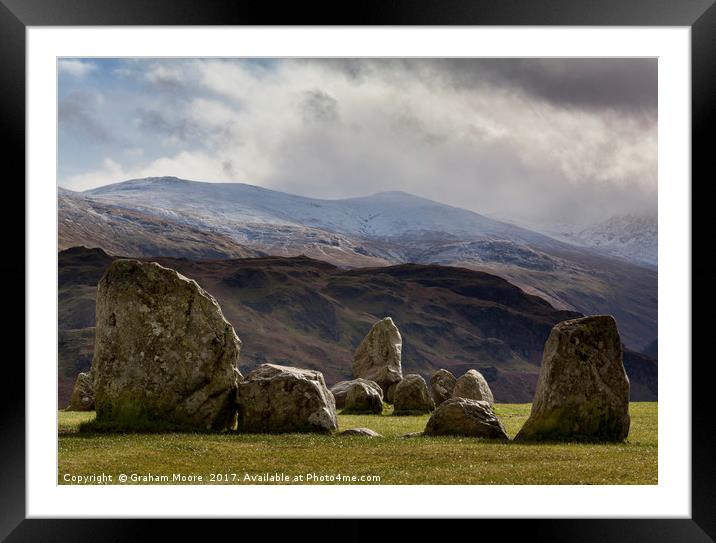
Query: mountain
{"type": "Point", "coordinates": [309, 313]}
{"type": "Point", "coordinates": [382, 229]}
{"type": "Point", "coordinates": [631, 237]}
{"type": "Point", "coordinates": [83, 221]}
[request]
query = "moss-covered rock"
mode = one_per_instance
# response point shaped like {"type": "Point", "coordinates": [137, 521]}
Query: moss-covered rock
{"type": "Point", "coordinates": [465, 417]}
{"type": "Point", "coordinates": [411, 396]}
{"type": "Point", "coordinates": [583, 391]}
{"type": "Point", "coordinates": [378, 357]}
{"type": "Point", "coordinates": [473, 386]}
{"type": "Point", "coordinates": [340, 390]}
{"type": "Point", "coordinates": [164, 352]}
{"type": "Point", "coordinates": [282, 399]}
{"type": "Point", "coordinates": [442, 384]}
{"type": "Point", "coordinates": [82, 393]}
{"type": "Point", "coordinates": [363, 398]}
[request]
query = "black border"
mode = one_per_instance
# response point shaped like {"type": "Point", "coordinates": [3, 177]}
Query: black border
{"type": "Point", "coordinates": [15, 15]}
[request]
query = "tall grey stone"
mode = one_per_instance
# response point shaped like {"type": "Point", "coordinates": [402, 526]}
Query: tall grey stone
{"type": "Point", "coordinates": [378, 356]}
{"type": "Point", "coordinates": [411, 396]}
{"type": "Point", "coordinates": [464, 417]}
{"type": "Point", "coordinates": [442, 384]}
{"type": "Point", "coordinates": [281, 399]}
{"type": "Point", "coordinates": [582, 391]}
{"type": "Point", "coordinates": [164, 352]}
{"type": "Point", "coordinates": [473, 386]}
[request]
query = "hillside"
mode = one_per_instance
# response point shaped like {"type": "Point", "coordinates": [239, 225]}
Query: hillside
{"type": "Point", "coordinates": [305, 312]}
{"type": "Point", "coordinates": [117, 230]}
{"type": "Point", "coordinates": [377, 230]}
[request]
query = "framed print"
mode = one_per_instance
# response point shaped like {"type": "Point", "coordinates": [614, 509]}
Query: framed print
{"type": "Point", "coordinates": [303, 271]}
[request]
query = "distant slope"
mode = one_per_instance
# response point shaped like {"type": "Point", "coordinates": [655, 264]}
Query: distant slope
{"type": "Point", "coordinates": [309, 313]}
{"type": "Point", "coordinates": [83, 221]}
{"type": "Point", "coordinates": [631, 237]}
{"type": "Point", "coordinates": [391, 228]}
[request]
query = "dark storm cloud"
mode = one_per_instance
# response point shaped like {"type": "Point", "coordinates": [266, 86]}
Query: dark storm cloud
{"type": "Point", "coordinates": [624, 84]}
{"type": "Point", "coordinates": [76, 114]}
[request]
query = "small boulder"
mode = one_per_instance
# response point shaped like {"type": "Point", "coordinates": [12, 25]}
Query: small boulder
{"type": "Point", "coordinates": [164, 353]}
{"type": "Point", "coordinates": [582, 391]}
{"type": "Point", "coordinates": [378, 356]}
{"type": "Point", "coordinates": [340, 390]}
{"type": "Point", "coordinates": [473, 386]}
{"type": "Point", "coordinates": [363, 398]}
{"type": "Point", "coordinates": [412, 397]}
{"type": "Point", "coordinates": [365, 432]}
{"type": "Point", "coordinates": [281, 399]}
{"type": "Point", "coordinates": [442, 384]}
{"type": "Point", "coordinates": [465, 417]}
{"type": "Point", "coordinates": [82, 394]}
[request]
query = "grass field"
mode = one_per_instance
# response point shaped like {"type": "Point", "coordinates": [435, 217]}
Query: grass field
{"type": "Point", "coordinates": [247, 459]}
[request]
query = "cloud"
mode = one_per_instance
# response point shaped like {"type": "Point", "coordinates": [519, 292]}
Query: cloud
{"type": "Point", "coordinates": [77, 115]}
{"type": "Point", "coordinates": [599, 83]}
{"type": "Point", "coordinates": [533, 140]}
{"type": "Point", "coordinates": [77, 68]}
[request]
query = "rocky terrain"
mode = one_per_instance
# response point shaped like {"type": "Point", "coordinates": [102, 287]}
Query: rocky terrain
{"type": "Point", "coordinates": [311, 314]}
{"type": "Point", "coordinates": [172, 217]}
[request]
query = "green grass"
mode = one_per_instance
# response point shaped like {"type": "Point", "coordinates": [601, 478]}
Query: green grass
{"type": "Point", "coordinates": [395, 459]}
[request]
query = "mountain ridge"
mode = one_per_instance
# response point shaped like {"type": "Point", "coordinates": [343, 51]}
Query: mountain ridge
{"type": "Point", "coordinates": [382, 229]}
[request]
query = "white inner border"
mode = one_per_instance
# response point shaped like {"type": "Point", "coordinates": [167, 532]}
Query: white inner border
{"type": "Point", "coordinates": [670, 498]}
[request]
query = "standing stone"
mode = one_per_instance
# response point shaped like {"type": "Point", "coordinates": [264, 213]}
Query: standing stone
{"type": "Point", "coordinates": [280, 399]}
{"type": "Point", "coordinates": [583, 391]}
{"type": "Point", "coordinates": [442, 384]}
{"type": "Point", "coordinates": [412, 397]}
{"type": "Point", "coordinates": [363, 398]}
{"type": "Point", "coordinates": [473, 386]}
{"type": "Point", "coordinates": [464, 417]}
{"type": "Point", "coordinates": [378, 356]}
{"type": "Point", "coordinates": [340, 390]}
{"type": "Point", "coordinates": [164, 352]}
{"type": "Point", "coordinates": [82, 394]}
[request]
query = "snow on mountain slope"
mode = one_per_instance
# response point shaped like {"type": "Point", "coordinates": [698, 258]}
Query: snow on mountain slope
{"type": "Point", "coordinates": [395, 227]}
{"type": "Point", "coordinates": [382, 215]}
{"type": "Point", "coordinates": [632, 237]}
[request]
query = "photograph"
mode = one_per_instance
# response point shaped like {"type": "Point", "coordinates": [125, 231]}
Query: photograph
{"type": "Point", "coordinates": [357, 270]}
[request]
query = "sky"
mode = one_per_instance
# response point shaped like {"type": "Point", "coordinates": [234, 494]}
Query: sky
{"type": "Point", "coordinates": [551, 143]}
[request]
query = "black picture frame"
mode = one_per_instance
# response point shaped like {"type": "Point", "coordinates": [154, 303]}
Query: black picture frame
{"type": "Point", "coordinates": [16, 15]}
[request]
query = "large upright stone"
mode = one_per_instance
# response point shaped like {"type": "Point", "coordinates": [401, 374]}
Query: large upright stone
{"type": "Point", "coordinates": [473, 386]}
{"type": "Point", "coordinates": [412, 396]}
{"type": "Point", "coordinates": [463, 417]}
{"type": "Point", "coordinates": [340, 390]}
{"type": "Point", "coordinates": [281, 399]}
{"type": "Point", "coordinates": [583, 391]}
{"type": "Point", "coordinates": [442, 384]}
{"type": "Point", "coordinates": [378, 356]}
{"type": "Point", "coordinates": [164, 352]}
{"type": "Point", "coordinates": [82, 393]}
